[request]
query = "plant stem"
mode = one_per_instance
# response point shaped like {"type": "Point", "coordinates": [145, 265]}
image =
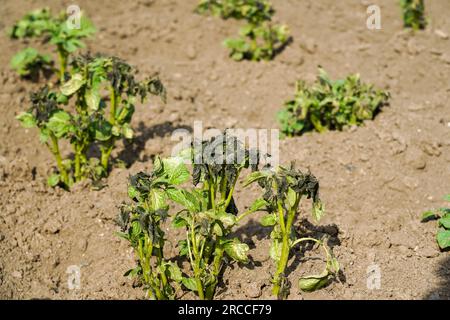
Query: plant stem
{"type": "Point", "coordinates": [55, 150]}
{"type": "Point", "coordinates": [62, 56]}
{"type": "Point", "coordinates": [106, 153]}
{"type": "Point", "coordinates": [77, 163]}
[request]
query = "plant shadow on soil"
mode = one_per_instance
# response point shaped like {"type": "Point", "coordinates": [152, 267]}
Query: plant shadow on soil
{"type": "Point", "coordinates": [443, 290]}
{"type": "Point", "coordinates": [132, 150]}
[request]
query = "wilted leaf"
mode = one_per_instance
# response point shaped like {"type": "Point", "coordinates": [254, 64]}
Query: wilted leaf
{"type": "Point", "coordinates": [73, 85]}
{"type": "Point", "coordinates": [315, 282]}
{"type": "Point", "coordinates": [237, 250]}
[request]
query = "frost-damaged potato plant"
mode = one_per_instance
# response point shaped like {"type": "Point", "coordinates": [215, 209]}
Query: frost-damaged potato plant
{"type": "Point", "coordinates": [141, 224]}
{"type": "Point", "coordinates": [90, 119]}
{"type": "Point", "coordinates": [260, 39]}
{"type": "Point", "coordinates": [443, 216]}
{"type": "Point", "coordinates": [284, 189]}
{"type": "Point", "coordinates": [414, 14]}
{"type": "Point", "coordinates": [210, 213]}
{"type": "Point", "coordinates": [55, 30]}
{"type": "Point", "coordinates": [330, 105]}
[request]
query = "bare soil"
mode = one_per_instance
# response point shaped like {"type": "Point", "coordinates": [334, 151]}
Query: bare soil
{"type": "Point", "coordinates": [375, 179]}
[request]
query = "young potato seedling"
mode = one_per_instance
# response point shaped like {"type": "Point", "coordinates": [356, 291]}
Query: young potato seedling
{"type": "Point", "coordinates": [414, 14]}
{"type": "Point", "coordinates": [330, 105]}
{"type": "Point", "coordinates": [55, 30]}
{"type": "Point", "coordinates": [89, 123]}
{"type": "Point", "coordinates": [260, 39]}
{"type": "Point", "coordinates": [443, 216]}
{"type": "Point", "coordinates": [29, 62]}
{"type": "Point", "coordinates": [141, 224]}
{"type": "Point", "coordinates": [284, 189]}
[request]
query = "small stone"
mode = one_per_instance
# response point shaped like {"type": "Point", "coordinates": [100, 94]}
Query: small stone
{"type": "Point", "coordinates": [309, 45]}
{"type": "Point", "coordinates": [16, 274]}
{"type": "Point", "coordinates": [441, 34]}
{"type": "Point", "coordinates": [415, 158]}
{"type": "Point", "coordinates": [445, 58]}
{"type": "Point", "coordinates": [52, 226]}
{"type": "Point", "coordinates": [191, 52]}
{"type": "Point", "coordinates": [429, 252]}
{"type": "Point", "coordinates": [253, 290]}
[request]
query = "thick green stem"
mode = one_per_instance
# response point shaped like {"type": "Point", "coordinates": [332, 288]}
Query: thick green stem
{"type": "Point", "coordinates": [55, 150]}
{"type": "Point", "coordinates": [62, 56]}
{"type": "Point", "coordinates": [106, 154]}
{"type": "Point", "coordinates": [286, 247]}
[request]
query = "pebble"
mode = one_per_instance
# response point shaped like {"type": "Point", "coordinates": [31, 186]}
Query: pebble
{"type": "Point", "coordinates": [52, 226]}
{"type": "Point", "coordinates": [429, 252]}
{"type": "Point", "coordinates": [415, 158]}
{"type": "Point", "coordinates": [253, 289]}
{"type": "Point", "coordinates": [16, 274]}
{"type": "Point", "coordinates": [309, 45]}
{"type": "Point", "coordinates": [441, 34]}
{"type": "Point", "coordinates": [191, 52]}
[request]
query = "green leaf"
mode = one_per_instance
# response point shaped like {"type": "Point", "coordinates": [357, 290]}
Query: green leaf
{"type": "Point", "coordinates": [73, 85]}
{"type": "Point", "coordinates": [269, 220]}
{"type": "Point", "coordinates": [443, 239]}
{"type": "Point", "coordinates": [227, 219]}
{"type": "Point", "coordinates": [27, 120]}
{"type": "Point", "coordinates": [237, 250]}
{"type": "Point", "coordinates": [53, 180]}
{"type": "Point", "coordinates": [258, 205]}
{"type": "Point", "coordinates": [428, 215]}
{"type": "Point", "coordinates": [103, 130]}
{"type": "Point", "coordinates": [174, 272]}
{"type": "Point", "coordinates": [315, 282]}
{"type": "Point", "coordinates": [157, 199]}
{"type": "Point", "coordinates": [445, 221]}
{"type": "Point", "coordinates": [275, 250]}
{"type": "Point", "coordinates": [447, 198]}
{"type": "Point", "coordinates": [176, 170]}
{"type": "Point", "coordinates": [254, 176]}
{"type": "Point", "coordinates": [190, 284]}
{"type": "Point", "coordinates": [133, 193]}
{"type": "Point", "coordinates": [92, 97]}
{"type": "Point", "coordinates": [318, 210]}
{"type": "Point", "coordinates": [127, 132]}
{"type": "Point", "coordinates": [60, 123]}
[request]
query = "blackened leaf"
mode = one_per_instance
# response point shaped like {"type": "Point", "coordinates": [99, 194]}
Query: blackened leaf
{"type": "Point", "coordinates": [429, 215]}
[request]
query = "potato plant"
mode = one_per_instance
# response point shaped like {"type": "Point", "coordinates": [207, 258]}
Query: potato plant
{"type": "Point", "coordinates": [414, 14]}
{"type": "Point", "coordinates": [141, 224]}
{"type": "Point", "coordinates": [29, 63]}
{"type": "Point", "coordinates": [330, 105]}
{"type": "Point", "coordinates": [209, 215]}
{"type": "Point", "coordinates": [284, 189]}
{"type": "Point", "coordinates": [443, 216]}
{"type": "Point", "coordinates": [54, 30]}
{"type": "Point", "coordinates": [91, 119]}
{"type": "Point", "coordinates": [260, 39]}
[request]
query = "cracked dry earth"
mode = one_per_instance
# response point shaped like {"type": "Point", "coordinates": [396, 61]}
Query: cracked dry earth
{"type": "Point", "coordinates": [376, 179]}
